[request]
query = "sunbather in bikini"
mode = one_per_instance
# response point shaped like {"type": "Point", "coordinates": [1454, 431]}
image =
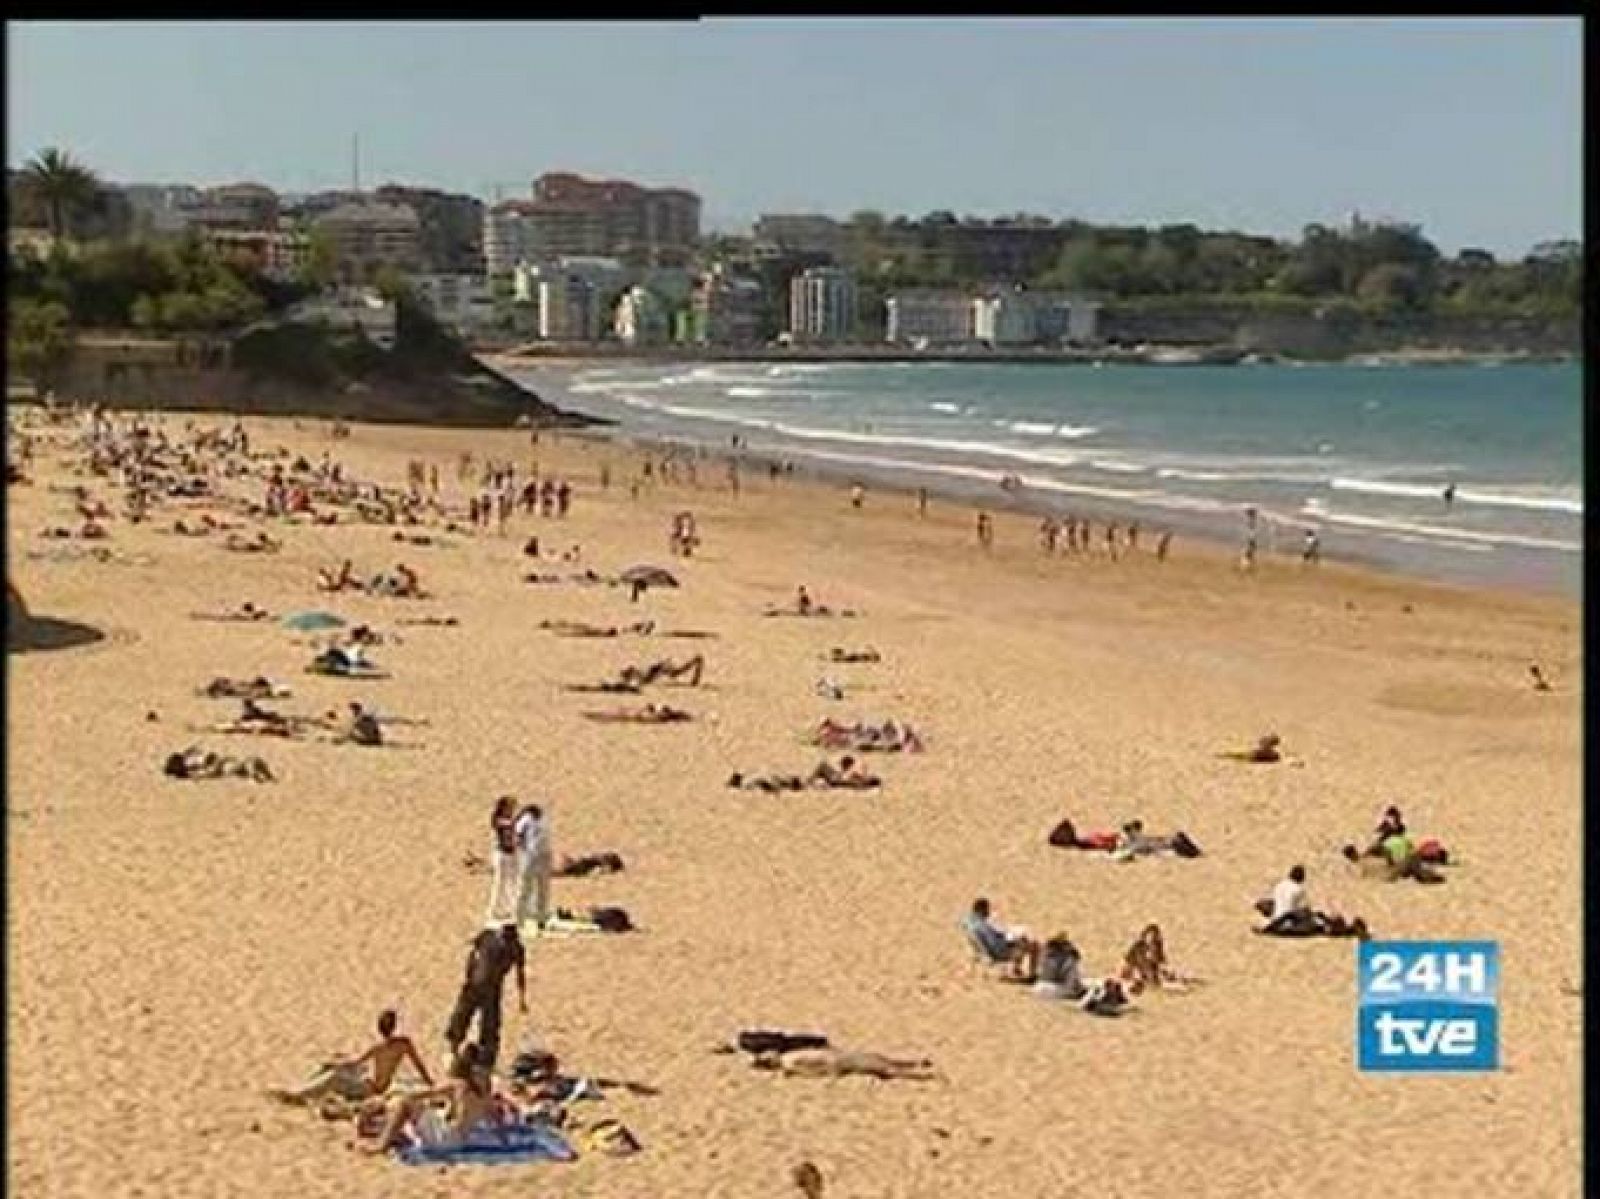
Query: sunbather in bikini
{"type": "Point", "coordinates": [888, 737]}
{"type": "Point", "coordinates": [836, 654]}
{"type": "Point", "coordinates": [1134, 842]}
{"type": "Point", "coordinates": [342, 579]}
{"type": "Point", "coordinates": [195, 763]}
{"type": "Point", "coordinates": [836, 1063]}
{"type": "Point", "coordinates": [245, 613]}
{"type": "Point", "coordinates": [579, 628]}
{"type": "Point", "coordinates": [770, 783]}
{"type": "Point", "coordinates": [587, 864]}
{"type": "Point", "coordinates": [261, 543]}
{"type": "Point", "coordinates": [649, 714]}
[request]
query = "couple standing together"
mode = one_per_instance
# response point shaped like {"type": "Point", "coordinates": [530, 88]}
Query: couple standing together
{"type": "Point", "coordinates": [519, 888]}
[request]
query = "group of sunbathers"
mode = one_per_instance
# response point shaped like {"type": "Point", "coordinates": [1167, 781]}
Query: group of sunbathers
{"type": "Point", "coordinates": [1053, 967]}
{"type": "Point", "coordinates": [196, 763]}
{"type": "Point", "coordinates": [1392, 854]}
{"type": "Point", "coordinates": [400, 583]}
{"type": "Point", "coordinates": [1128, 843]}
{"type": "Point", "coordinates": [357, 726]}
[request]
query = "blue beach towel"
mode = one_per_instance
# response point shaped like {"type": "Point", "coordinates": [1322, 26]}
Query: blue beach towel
{"type": "Point", "coordinates": [488, 1146]}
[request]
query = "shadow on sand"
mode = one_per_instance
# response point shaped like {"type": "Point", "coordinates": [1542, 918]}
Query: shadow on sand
{"type": "Point", "coordinates": [34, 633]}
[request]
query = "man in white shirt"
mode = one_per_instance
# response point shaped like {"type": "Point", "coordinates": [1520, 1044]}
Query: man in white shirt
{"type": "Point", "coordinates": [532, 832]}
{"type": "Point", "coordinates": [1289, 897]}
{"type": "Point", "coordinates": [1292, 914]}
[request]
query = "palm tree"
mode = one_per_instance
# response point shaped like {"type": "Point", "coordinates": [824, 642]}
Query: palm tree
{"type": "Point", "coordinates": [62, 185]}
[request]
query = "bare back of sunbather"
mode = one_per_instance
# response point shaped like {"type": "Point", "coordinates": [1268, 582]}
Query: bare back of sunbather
{"type": "Point", "coordinates": [836, 1063]}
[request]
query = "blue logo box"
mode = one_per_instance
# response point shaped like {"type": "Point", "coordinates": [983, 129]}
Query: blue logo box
{"type": "Point", "coordinates": [1428, 1005]}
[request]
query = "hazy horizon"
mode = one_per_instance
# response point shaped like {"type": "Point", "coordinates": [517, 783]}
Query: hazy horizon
{"type": "Point", "coordinates": [1470, 128]}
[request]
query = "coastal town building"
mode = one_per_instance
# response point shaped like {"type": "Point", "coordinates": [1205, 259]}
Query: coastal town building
{"type": "Point", "coordinates": [464, 303]}
{"type": "Point", "coordinates": [370, 236]}
{"type": "Point", "coordinates": [928, 317]}
{"type": "Point", "coordinates": [640, 318]}
{"type": "Point", "coordinates": [569, 308]}
{"type": "Point", "coordinates": [236, 206]}
{"type": "Point", "coordinates": [281, 253]}
{"type": "Point", "coordinates": [800, 233]}
{"type": "Point", "coordinates": [725, 309]}
{"type": "Point", "coordinates": [160, 209]}
{"type": "Point", "coordinates": [450, 227]}
{"type": "Point", "coordinates": [822, 305]}
{"type": "Point", "coordinates": [351, 308]}
{"type": "Point", "coordinates": [569, 215]}
{"type": "Point", "coordinates": [1004, 318]}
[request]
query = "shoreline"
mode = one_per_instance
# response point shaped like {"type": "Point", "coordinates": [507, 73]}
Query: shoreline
{"type": "Point", "coordinates": [1190, 530]}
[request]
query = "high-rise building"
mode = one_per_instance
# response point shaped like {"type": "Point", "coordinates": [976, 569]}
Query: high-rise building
{"type": "Point", "coordinates": [726, 309]}
{"type": "Point", "coordinates": [822, 305]}
{"type": "Point", "coordinates": [1004, 318]}
{"type": "Point", "coordinates": [569, 308]}
{"type": "Point", "coordinates": [451, 227]}
{"type": "Point", "coordinates": [571, 215]}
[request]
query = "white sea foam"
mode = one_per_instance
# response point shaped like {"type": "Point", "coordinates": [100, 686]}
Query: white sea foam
{"type": "Point", "coordinates": [1439, 533]}
{"type": "Point", "coordinates": [1535, 499]}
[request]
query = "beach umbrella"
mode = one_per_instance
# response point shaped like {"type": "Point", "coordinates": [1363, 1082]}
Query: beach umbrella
{"type": "Point", "coordinates": [310, 622]}
{"type": "Point", "coordinates": [649, 576]}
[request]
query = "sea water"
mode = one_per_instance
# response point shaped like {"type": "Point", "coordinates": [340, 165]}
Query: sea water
{"type": "Point", "coordinates": [1362, 454]}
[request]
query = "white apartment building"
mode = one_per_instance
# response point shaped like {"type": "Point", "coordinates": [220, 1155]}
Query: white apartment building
{"type": "Point", "coordinates": [822, 305]}
{"type": "Point", "coordinates": [1005, 318]}
{"type": "Point", "coordinates": [464, 303]}
{"type": "Point", "coordinates": [640, 318]}
{"type": "Point", "coordinates": [928, 317]}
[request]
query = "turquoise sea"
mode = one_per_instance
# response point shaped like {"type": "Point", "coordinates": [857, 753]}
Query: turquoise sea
{"type": "Point", "coordinates": [1363, 454]}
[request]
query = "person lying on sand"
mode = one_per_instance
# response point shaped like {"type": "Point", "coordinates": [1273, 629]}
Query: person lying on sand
{"type": "Point", "coordinates": [347, 1078]}
{"type": "Point", "coordinates": [770, 783]}
{"type": "Point", "coordinates": [828, 1062]}
{"type": "Point", "coordinates": [605, 862]}
{"type": "Point", "coordinates": [443, 622]}
{"type": "Point", "coordinates": [245, 613]}
{"type": "Point", "coordinates": [1289, 913]}
{"type": "Point", "coordinates": [1134, 842]}
{"type": "Point", "coordinates": [1540, 683]}
{"type": "Point", "coordinates": [580, 628]}
{"type": "Point", "coordinates": [1065, 835]}
{"type": "Point", "coordinates": [357, 727]}
{"type": "Point", "coordinates": [195, 763]}
{"type": "Point", "coordinates": [259, 687]}
{"type": "Point", "coordinates": [343, 579]}
{"type": "Point", "coordinates": [343, 661]}
{"type": "Point", "coordinates": [837, 654]}
{"type": "Point", "coordinates": [690, 668]}
{"type": "Point", "coordinates": [1013, 947]}
{"type": "Point", "coordinates": [1145, 965]}
{"type": "Point", "coordinates": [846, 775]}
{"type": "Point", "coordinates": [470, 1102]}
{"type": "Point", "coordinates": [649, 714]}
{"type": "Point", "coordinates": [260, 543]}
{"type": "Point", "coordinates": [887, 737]}
{"type": "Point", "coordinates": [262, 722]}
{"type": "Point", "coordinates": [1266, 750]}
{"type": "Point", "coordinates": [401, 583]}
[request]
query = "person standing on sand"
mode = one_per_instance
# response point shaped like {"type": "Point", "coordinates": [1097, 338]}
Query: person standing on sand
{"type": "Point", "coordinates": [858, 496]}
{"type": "Point", "coordinates": [495, 953]}
{"type": "Point", "coordinates": [532, 829]}
{"type": "Point", "coordinates": [922, 501]}
{"type": "Point", "coordinates": [1163, 544]}
{"type": "Point", "coordinates": [504, 880]}
{"type": "Point", "coordinates": [1312, 553]}
{"type": "Point", "coordinates": [563, 498]}
{"type": "Point", "coordinates": [985, 530]}
{"type": "Point", "coordinates": [1449, 494]}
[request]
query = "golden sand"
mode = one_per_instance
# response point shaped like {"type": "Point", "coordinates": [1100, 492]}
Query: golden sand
{"type": "Point", "coordinates": [174, 947]}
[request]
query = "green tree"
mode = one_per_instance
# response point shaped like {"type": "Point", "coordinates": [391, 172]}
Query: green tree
{"type": "Point", "coordinates": [63, 186]}
{"type": "Point", "coordinates": [38, 341]}
{"type": "Point", "coordinates": [321, 266]}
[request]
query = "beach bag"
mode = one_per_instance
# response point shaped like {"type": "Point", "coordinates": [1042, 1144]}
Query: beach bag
{"type": "Point", "coordinates": [1434, 853]}
{"type": "Point", "coordinates": [611, 920]}
{"type": "Point", "coordinates": [1183, 846]}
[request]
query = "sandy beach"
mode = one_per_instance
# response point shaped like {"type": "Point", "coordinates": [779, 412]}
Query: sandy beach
{"type": "Point", "coordinates": [174, 947]}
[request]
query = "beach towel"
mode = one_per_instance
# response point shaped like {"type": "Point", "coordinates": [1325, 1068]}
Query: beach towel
{"type": "Point", "coordinates": [494, 1146]}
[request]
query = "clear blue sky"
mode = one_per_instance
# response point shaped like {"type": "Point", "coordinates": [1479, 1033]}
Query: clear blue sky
{"type": "Point", "coordinates": [1471, 127]}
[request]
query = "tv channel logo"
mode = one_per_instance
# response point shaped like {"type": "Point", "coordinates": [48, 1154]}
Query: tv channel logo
{"type": "Point", "coordinates": [1428, 1005]}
